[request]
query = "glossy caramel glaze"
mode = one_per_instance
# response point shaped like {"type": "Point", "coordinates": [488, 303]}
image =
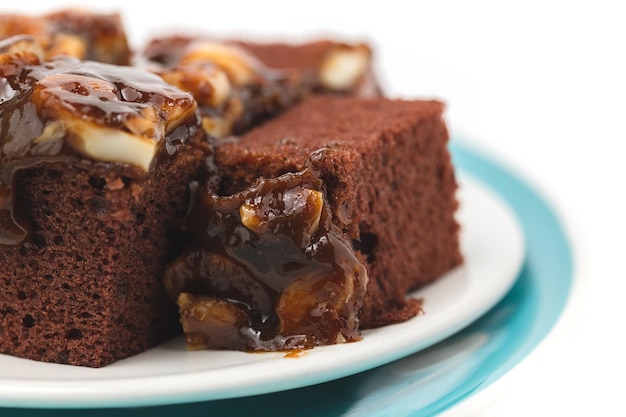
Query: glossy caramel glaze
{"type": "Point", "coordinates": [265, 270]}
{"type": "Point", "coordinates": [235, 91]}
{"type": "Point", "coordinates": [57, 110]}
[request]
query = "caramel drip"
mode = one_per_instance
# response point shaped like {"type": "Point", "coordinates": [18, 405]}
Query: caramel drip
{"type": "Point", "coordinates": [66, 110]}
{"type": "Point", "coordinates": [265, 270]}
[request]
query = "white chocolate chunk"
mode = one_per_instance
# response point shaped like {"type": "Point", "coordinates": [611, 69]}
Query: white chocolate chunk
{"type": "Point", "coordinates": [50, 141]}
{"type": "Point", "coordinates": [97, 123]}
{"type": "Point", "coordinates": [111, 145]}
{"type": "Point", "coordinates": [342, 68]}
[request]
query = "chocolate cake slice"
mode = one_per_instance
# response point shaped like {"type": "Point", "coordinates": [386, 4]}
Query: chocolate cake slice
{"type": "Point", "coordinates": [78, 33]}
{"type": "Point", "coordinates": [95, 166]}
{"type": "Point", "coordinates": [317, 224]}
{"type": "Point", "coordinates": [241, 84]}
{"type": "Point", "coordinates": [263, 195]}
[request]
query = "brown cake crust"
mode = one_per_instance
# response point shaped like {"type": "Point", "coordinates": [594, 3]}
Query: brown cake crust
{"type": "Point", "coordinates": [85, 290]}
{"type": "Point", "coordinates": [310, 58]}
{"type": "Point", "coordinates": [305, 56]}
{"type": "Point", "coordinates": [388, 179]}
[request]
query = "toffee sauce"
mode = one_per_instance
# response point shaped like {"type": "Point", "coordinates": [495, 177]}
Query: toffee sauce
{"type": "Point", "coordinates": [103, 94]}
{"type": "Point", "coordinates": [265, 271]}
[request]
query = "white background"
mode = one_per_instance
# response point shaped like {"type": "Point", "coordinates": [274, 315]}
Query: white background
{"type": "Point", "coordinates": [539, 86]}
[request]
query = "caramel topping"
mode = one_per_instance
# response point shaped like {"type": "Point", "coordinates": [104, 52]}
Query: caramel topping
{"type": "Point", "coordinates": [68, 110]}
{"type": "Point", "coordinates": [234, 90]}
{"type": "Point", "coordinates": [265, 270]}
{"type": "Point", "coordinates": [73, 32]}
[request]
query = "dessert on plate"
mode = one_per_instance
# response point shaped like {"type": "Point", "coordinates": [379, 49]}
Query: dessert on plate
{"type": "Point", "coordinates": [318, 223]}
{"type": "Point", "coordinates": [253, 196]}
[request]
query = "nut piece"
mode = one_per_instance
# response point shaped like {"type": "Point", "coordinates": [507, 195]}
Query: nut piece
{"type": "Point", "coordinates": [238, 65]}
{"type": "Point", "coordinates": [73, 32]}
{"type": "Point", "coordinates": [209, 85]}
{"type": "Point", "coordinates": [222, 126]}
{"type": "Point", "coordinates": [296, 208]}
{"type": "Point", "coordinates": [111, 145]}
{"type": "Point", "coordinates": [211, 323]}
{"type": "Point", "coordinates": [335, 303]}
{"type": "Point", "coordinates": [344, 66]}
{"type": "Point", "coordinates": [25, 46]}
{"type": "Point", "coordinates": [249, 216]}
{"type": "Point", "coordinates": [12, 25]}
{"type": "Point", "coordinates": [314, 203]}
{"type": "Point", "coordinates": [68, 45]}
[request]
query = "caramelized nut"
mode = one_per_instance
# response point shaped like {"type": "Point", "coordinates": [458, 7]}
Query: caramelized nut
{"type": "Point", "coordinates": [211, 323]}
{"type": "Point", "coordinates": [67, 45]}
{"type": "Point", "coordinates": [238, 65]}
{"type": "Point", "coordinates": [210, 86]}
{"type": "Point", "coordinates": [305, 303]}
{"type": "Point", "coordinates": [24, 46]}
{"type": "Point", "coordinates": [298, 209]}
{"type": "Point", "coordinates": [270, 256]}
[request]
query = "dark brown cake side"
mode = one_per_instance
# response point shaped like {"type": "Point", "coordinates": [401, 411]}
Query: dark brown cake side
{"type": "Point", "coordinates": [86, 289]}
{"type": "Point", "coordinates": [387, 176]}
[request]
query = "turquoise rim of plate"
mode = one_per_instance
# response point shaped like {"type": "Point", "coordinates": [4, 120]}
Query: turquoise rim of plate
{"type": "Point", "coordinates": [438, 378]}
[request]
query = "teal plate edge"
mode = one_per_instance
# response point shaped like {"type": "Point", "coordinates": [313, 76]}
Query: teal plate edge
{"type": "Point", "coordinates": [442, 376]}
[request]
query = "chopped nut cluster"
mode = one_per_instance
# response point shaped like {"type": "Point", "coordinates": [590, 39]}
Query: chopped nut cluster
{"type": "Point", "coordinates": [266, 272]}
{"type": "Point", "coordinates": [232, 88]}
{"type": "Point", "coordinates": [66, 109]}
{"type": "Point", "coordinates": [107, 113]}
{"type": "Point", "coordinates": [76, 33]}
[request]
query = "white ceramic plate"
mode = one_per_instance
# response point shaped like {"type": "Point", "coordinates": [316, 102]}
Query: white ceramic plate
{"type": "Point", "coordinates": [493, 245]}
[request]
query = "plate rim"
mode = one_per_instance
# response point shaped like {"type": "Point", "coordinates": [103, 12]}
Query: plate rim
{"type": "Point", "coordinates": [195, 396]}
{"type": "Point", "coordinates": [491, 395]}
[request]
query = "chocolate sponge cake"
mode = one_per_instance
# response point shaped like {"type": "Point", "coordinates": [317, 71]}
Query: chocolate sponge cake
{"type": "Point", "coordinates": [328, 65]}
{"type": "Point", "coordinates": [264, 196]}
{"type": "Point", "coordinates": [355, 195]}
{"type": "Point", "coordinates": [95, 166]}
